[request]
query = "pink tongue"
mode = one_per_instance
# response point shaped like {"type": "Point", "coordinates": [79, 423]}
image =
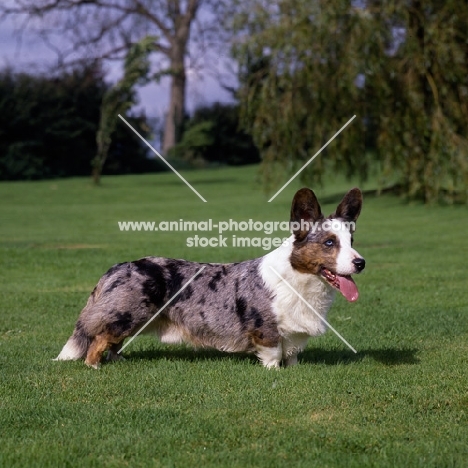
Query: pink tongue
{"type": "Point", "coordinates": [348, 288]}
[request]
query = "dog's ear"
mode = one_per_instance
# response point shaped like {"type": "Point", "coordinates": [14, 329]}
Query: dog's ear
{"type": "Point", "coordinates": [305, 209]}
{"type": "Point", "coordinates": [350, 207]}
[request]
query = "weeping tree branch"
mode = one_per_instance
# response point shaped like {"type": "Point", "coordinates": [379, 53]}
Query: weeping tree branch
{"type": "Point", "coordinates": [120, 98]}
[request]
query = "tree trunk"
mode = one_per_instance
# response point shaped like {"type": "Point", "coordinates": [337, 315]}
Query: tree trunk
{"type": "Point", "coordinates": [176, 111]}
{"type": "Point", "coordinates": [179, 41]}
{"type": "Point", "coordinates": [175, 114]}
{"type": "Point", "coordinates": [96, 175]}
{"type": "Point", "coordinates": [178, 47]}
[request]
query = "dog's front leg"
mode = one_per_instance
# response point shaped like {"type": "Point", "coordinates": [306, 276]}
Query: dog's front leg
{"type": "Point", "coordinates": [290, 360]}
{"type": "Point", "coordinates": [270, 357]}
{"type": "Point", "coordinates": [292, 346]}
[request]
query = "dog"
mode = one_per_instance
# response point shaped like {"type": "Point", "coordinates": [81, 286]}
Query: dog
{"type": "Point", "coordinates": [252, 306]}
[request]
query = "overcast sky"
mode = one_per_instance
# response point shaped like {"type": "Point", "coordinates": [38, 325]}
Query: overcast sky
{"type": "Point", "coordinates": [30, 53]}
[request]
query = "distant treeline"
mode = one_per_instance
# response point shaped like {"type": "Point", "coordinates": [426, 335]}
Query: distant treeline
{"type": "Point", "coordinates": [212, 135]}
{"type": "Point", "coordinates": [48, 129]}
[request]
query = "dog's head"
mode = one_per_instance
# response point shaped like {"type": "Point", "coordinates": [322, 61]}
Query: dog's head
{"type": "Point", "coordinates": [323, 246]}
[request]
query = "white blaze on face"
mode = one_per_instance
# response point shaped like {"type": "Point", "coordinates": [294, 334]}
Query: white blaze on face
{"type": "Point", "coordinates": [346, 254]}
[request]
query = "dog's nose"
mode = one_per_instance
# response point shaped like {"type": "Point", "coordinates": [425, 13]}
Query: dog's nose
{"type": "Point", "coordinates": [359, 263]}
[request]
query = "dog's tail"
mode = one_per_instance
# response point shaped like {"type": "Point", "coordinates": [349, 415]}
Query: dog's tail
{"type": "Point", "coordinates": [76, 347]}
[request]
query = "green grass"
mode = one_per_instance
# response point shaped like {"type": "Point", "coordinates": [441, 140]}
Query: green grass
{"type": "Point", "coordinates": [402, 401]}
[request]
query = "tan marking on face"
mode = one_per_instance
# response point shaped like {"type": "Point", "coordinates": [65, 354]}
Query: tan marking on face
{"type": "Point", "coordinates": [313, 255]}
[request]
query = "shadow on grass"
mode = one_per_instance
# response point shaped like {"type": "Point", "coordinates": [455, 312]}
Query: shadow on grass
{"type": "Point", "coordinates": [187, 354]}
{"type": "Point", "coordinates": [388, 356]}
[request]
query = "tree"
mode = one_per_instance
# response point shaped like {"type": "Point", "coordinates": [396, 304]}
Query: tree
{"type": "Point", "coordinates": [107, 29]}
{"type": "Point", "coordinates": [48, 124]}
{"type": "Point", "coordinates": [298, 66]}
{"type": "Point", "coordinates": [119, 99]}
{"type": "Point", "coordinates": [212, 135]}
{"type": "Point", "coordinates": [48, 127]}
{"type": "Point", "coordinates": [307, 67]}
{"type": "Point", "coordinates": [424, 112]}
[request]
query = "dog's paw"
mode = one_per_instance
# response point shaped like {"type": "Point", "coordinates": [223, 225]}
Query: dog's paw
{"type": "Point", "coordinates": [114, 357]}
{"type": "Point", "coordinates": [96, 365]}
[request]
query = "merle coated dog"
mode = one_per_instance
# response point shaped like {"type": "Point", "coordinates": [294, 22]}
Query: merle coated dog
{"type": "Point", "coordinates": [234, 307]}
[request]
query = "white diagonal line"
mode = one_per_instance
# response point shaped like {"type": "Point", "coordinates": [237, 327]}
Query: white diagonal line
{"type": "Point", "coordinates": [162, 308]}
{"type": "Point", "coordinates": [314, 311]}
{"type": "Point", "coordinates": [312, 158]}
{"type": "Point", "coordinates": [162, 159]}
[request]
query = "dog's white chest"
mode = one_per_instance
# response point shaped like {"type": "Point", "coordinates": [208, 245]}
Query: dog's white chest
{"type": "Point", "coordinates": [301, 311]}
{"type": "Point", "coordinates": [300, 300]}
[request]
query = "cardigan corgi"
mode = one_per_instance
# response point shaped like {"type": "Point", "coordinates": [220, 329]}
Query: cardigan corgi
{"type": "Point", "coordinates": [251, 306]}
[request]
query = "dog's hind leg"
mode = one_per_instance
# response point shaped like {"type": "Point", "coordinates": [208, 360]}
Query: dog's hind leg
{"type": "Point", "coordinates": [99, 345]}
{"type": "Point", "coordinates": [113, 352]}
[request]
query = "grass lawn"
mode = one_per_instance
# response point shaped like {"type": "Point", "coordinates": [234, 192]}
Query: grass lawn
{"type": "Point", "coordinates": [402, 401]}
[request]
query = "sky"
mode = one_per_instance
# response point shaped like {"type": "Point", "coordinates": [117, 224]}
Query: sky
{"type": "Point", "coordinates": [29, 53]}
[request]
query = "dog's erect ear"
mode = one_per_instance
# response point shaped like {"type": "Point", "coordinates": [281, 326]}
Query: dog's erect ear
{"type": "Point", "coordinates": [305, 209]}
{"type": "Point", "coordinates": [350, 206]}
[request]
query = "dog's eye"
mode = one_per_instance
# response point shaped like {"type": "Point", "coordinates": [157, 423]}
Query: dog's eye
{"type": "Point", "coordinates": [329, 242]}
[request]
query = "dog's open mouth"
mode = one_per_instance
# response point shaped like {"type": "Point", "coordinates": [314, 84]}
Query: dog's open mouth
{"type": "Point", "coordinates": [344, 284]}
